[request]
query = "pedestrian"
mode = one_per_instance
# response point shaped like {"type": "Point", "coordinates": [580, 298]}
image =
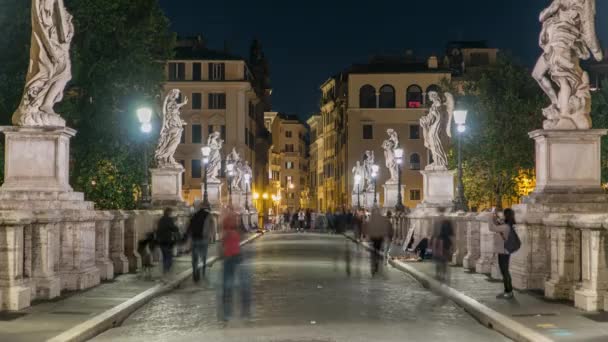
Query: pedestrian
{"type": "Point", "coordinates": [286, 220]}
{"type": "Point", "coordinates": [442, 246]}
{"type": "Point", "coordinates": [331, 224]}
{"type": "Point", "coordinates": [358, 224]}
{"type": "Point", "coordinates": [167, 235]}
{"type": "Point", "coordinates": [200, 230]}
{"type": "Point", "coordinates": [506, 243]}
{"type": "Point", "coordinates": [301, 220]}
{"type": "Point", "coordinates": [231, 251]}
{"type": "Point", "coordinates": [309, 219]}
{"type": "Point", "coordinates": [389, 238]}
{"type": "Point", "coordinates": [376, 230]}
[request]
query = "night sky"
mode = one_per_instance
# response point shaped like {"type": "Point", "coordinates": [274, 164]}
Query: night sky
{"type": "Point", "coordinates": [308, 41]}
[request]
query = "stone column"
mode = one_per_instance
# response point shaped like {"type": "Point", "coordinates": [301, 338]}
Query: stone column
{"type": "Point", "coordinates": [473, 244]}
{"type": "Point", "coordinates": [134, 220]}
{"type": "Point", "coordinates": [15, 286]}
{"type": "Point", "coordinates": [565, 261]}
{"type": "Point", "coordinates": [105, 265]}
{"type": "Point", "coordinates": [460, 238]}
{"type": "Point", "coordinates": [593, 292]}
{"type": "Point", "coordinates": [486, 245]}
{"type": "Point", "coordinates": [46, 256]}
{"type": "Point", "coordinates": [117, 243]}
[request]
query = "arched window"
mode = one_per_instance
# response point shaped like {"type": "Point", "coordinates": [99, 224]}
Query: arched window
{"type": "Point", "coordinates": [432, 87]}
{"type": "Point", "coordinates": [414, 96]}
{"type": "Point", "coordinates": [367, 97]}
{"type": "Point", "coordinates": [387, 97]}
{"type": "Point", "coordinates": [415, 161]}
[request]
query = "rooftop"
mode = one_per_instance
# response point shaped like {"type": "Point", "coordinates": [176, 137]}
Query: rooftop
{"type": "Point", "coordinates": [195, 48]}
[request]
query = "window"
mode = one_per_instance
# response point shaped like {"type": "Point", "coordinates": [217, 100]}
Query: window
{"type": "Point", "coordinates": [217, 101]}
{"type": "Point", "coordinates": [247, 136]}
{"type": "Point", "coordinates": [197, 72]}
{"type": "Point", "coordinates": [289, 165]}
{"type": "Point", "coordinates": [177, 71]}
{"type": "Point", "coordinates": [367, 97]}
{"type": "Point", "coordinates": [414, 97]}
{"type": "Point", "coordinates": [368, 132]}
{"type": "Point", "coordinates": [292, 195]}
{"type": "Point", "coordinates": [223, 132]}
{"type": "Point", "coordinates": [182, 139]}
{"type": "Point", "coordinates": [183, 164]}
{"type": "Point", "coordinates": [197, 101]}
{"type": "Point", "coordinates": [210, 129]}
{"type": "Point", "coordinates": [387, 97]}
{"type": "Point", "coordinates": [251, 110]}
{"type": "Point", "coordinates": [289, 148]}
{"type": "Point", "coordinates": [252, 139]}
{"type": "Point", "coordinates": [275, 175]}
{"type": "Point", "coordinates": [197, 136]}
{"type": "Point", "coordinates": [414, 132]}
{"type": "Point", "coordinates": [288, 134]}
{"type": "Point", "coordinates": [432, 87]}
{"type": "Point", "coordinates": [217, 71]}
{"type": "Point", "coordinates": [414, 195]}
{"type": "Point", "coordinates": [196, 168]}
{"type": "Point", "coordinates": [479, 59]}
{"type": "Point", "coordinates": [415, 161]}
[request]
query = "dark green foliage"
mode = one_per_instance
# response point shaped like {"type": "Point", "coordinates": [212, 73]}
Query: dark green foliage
{"type": "Point", "coordinates": [599, 114]}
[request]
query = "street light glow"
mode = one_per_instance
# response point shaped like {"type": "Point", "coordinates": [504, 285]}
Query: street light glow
{"type": "Point", "coordinates": [146, 127]}
{"type": "Point", "coordinates": [461, 128]}
{"type": "Point", "coordinates": [357, 179]}
{"type": "Point", "coordinates": [460, 117]}
{"type": "Point", "coordinates": [144, 115]}
{"type": "Point", "coordinates": [265, 196]}
{"type": "Point", "coordinates": [256, 196]}
{"type": "Point", "coordinates": [206, 151]}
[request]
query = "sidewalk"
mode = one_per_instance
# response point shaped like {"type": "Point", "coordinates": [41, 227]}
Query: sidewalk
{"type": "Point", "coordinates": [67, 318]}
{"type": "Point", "coordinates": [528, 317]}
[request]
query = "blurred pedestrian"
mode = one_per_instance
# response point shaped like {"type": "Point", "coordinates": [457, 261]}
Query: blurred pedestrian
{"type": "Point", "coordinates": [389, 238]}
{"type": "Point", "coordinates": [200, 230]}
{"type": "Point", "coordinates": [506, 243]}
{"type": "Point", "coordinates": [377, 229]}
{"type": "Point", "coordinates": [442, 246]}
{"type": "Point", "coordinates": [167, 235]}
{"type": "Point", "coordinates": [301, 220]}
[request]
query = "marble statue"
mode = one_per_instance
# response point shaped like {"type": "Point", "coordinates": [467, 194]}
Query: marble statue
{"type": "Point", "coordinates": [368, 164]}
{"type": "Point", "coordinates": [235, 159]}
{"type": "Point", "coordinates": [389, 146]}
{"type": "Point", "coordinates": [358, 170]}
{"type": "Point", "coordinates": [50, 67]}
{"type": "Point", "coordinates": [245, 169]}
{"type": "Point", "coordinates": [432, 127]}
{"type": "Point", "coordinates": [567, 36]}
{"type": "Point", "coordinates": [214, 167]}
{"type": "Point", "coordinates": [171, 131]}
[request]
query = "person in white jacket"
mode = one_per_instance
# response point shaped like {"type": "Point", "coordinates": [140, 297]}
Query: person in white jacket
{"type": "Point", "coordinates": [502, 229]}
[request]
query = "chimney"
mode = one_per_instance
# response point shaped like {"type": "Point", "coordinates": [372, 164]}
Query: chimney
{"type": "Point", "coordinates": [433, 62]}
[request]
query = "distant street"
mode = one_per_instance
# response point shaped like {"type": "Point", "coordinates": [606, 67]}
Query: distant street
{"type": "Point", "coordinates": [302, 293]}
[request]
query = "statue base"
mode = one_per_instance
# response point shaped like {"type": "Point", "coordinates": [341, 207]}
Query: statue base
{"type": "Point", "coordinates": [391, 194]}
{"type": "Point", "coordinates": [214, 193]}
{"type": "Point", "coordinates": [438, 188]}
{"type": "Point", "coordinates": [167, 187]}
{"type": "Point", "coordinates": [37, 159]}
{"type": "Point", "coordinates": [365, 198]}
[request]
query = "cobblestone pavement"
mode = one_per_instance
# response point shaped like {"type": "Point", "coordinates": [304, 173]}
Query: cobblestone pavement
{"type": "Point", "coordinates": [302, 293]}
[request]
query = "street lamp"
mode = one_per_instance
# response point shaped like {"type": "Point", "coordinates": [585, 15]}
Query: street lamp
{"type": "Point", "coordinates": [358, 185]}
{"type": "Point", "coordinates": [247, 180]}
{"type": "Point", "coordinates": [144, 115]}
{"type": "Point", "coordinates": [206, 151]}
{"type": "Point", "coordinates": [460, 118]}
{"type": "Point", "coordinates": [375, 170]}
{"type": "Point", "coordinates": [230, 171]}
{"type": "Point", "coordinates": [399, 160]}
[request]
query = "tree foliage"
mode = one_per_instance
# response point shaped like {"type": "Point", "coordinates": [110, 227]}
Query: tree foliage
{"type": "Point", "coordinates": [118, 55]}
{"type": "Point", "coordinates": [599, 114]}
{"type": "Point", "coordinates": [504, 104]}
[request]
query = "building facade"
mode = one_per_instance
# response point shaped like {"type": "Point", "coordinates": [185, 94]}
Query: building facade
{"type": "Point", "coordinates": [288, 171]}
{"type": "Point", "coordinates": [223, 97]}
{"type": "Point", "coordinates": [360, 104]}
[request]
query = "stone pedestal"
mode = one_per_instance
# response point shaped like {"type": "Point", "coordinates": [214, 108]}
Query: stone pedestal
{"type": "Point", "coordinates": [391, 193]}
{"type": "Point", "coordinates": [594, 290]}
{"type": "Point", "coordinates": [438, 187]}
{"type": "Point", "coordinates": [167, 187]}
{"type": "Point", "coordinates": [486, 245]}
{"type": "Point", "coordinates": [214, 191]}
{"type": "Point", "coordinates": [15, 285]}
{"type": "Point", "coordinates": [470, 259]}
{"type": "Point", "coordinates": [117, 243]}
{"type": "Point", "coordinates": [103, 224]}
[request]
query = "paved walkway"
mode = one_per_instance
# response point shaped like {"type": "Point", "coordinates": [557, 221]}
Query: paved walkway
{"type": "Point", "coordinates": [50, 318]}
{"type": "Point", "coordinates": [559, 321]}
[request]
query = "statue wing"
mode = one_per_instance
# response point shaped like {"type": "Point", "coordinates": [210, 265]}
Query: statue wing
{"type": "Point", "coordinates": [588, 30]}
{"type": "Point", "coordinates": [449, 107]}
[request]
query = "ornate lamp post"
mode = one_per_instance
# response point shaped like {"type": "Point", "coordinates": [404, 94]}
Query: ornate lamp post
{"type": "Point", "coordinates": [206, 150]}
{"type": "Point", "coordinates": [375, 170]}
{"type": "Point", "coordinates": [460, 118]}
{"type": "Point", "coordinates": [144, 115]}
{"type": "Point", "coordinates": [247, 180]}
{"type": "Point", "coordinates": [358, 185]}
{"type": "Point", "coordinates": [230, 172]}
{"type": "Point", "coordinates": [399, 160]}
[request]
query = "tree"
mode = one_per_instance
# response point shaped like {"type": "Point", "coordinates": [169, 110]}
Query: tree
{"type": "Point", "coordinates": [118, 55]}
{"type": "Point", "coordinates": [504, 104]}
{"type": "Point", "coordinates": [599, 114]}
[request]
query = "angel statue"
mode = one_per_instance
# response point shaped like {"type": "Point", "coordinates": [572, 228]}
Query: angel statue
{"type": "Point", "coordinates": [431, 129]}
{"type": "Point", "coordinates": [368, 164]}
{"type": "Point", "coordinates": [50, 66]}
{"type": "Point", "coordinates": [567, 36]}
{"type": "Point", "coordinates": [245, 169]}
{"type": "Point", "coordinates": [235, 159]}
{"type": "Point", "coordinates": [171, 131]}
{"type": "Point", "coordinates": [389, 146]}
{"type": "Point", "coordinates": [358, 170]}
{"type": "Point", "coordinates": [214, 167]}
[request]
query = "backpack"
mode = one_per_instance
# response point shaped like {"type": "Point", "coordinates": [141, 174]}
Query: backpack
{"type": "Point", "coordinates": [512, 243]}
